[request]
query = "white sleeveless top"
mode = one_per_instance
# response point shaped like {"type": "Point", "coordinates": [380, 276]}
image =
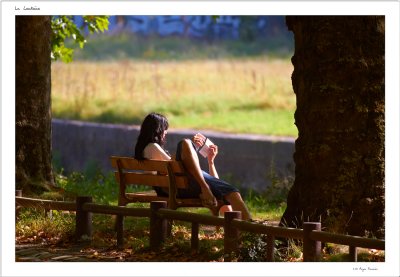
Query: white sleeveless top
{"type": "Point", "coordinates": [153, 151]}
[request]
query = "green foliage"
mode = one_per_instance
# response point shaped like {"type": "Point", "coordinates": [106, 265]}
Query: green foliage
{"type": "Point", "coordinates": [96, 23]}
{"type": "Point", "coordinates": [271, 202]}
{"type": "Point", "coordinates": [278, 191]}
{"type": "Point", "coordinates": [103, 188]}
{"type": "Point", "coordinates": [64, 28]}
{"type": "Point", "coordinates": [215, 18]}
{"type": "Point", "coordinates": [370, 256]}
{"type": "Point", "coordinates": [34, 226]}
{"type": "Point", "coordinates": [253, 248]}
{"type": "Point", "coordinates": [56, 161]}
{"type": "Point", "coordinates": [91, 182]}
{"type": "Point", "coordinates": [153, 48]}
{"type": "Point", "coordinates": [255, 200]}
{"type": "Point", "coordinates": [248, 28]}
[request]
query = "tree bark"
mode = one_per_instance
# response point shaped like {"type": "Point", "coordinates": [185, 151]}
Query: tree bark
{"type": "Point", "coordinates": [338, 79]}
{"type": "Point", "coordinates": [33, 103]}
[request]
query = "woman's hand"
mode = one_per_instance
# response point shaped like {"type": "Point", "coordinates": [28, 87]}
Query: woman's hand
{"type": "Point", "coordinates": [212, 153]}
{"type": "Point", "coordinates": [199, 140]}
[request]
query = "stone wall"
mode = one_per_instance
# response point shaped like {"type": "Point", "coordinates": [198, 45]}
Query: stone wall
{"type": "Point", "coordinates": [244, 160]}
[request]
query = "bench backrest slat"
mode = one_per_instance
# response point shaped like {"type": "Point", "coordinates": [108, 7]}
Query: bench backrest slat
{"type": "Point", "coordinates": [149, 172]}
{"type": "Point", "coordinates": [131, 163]}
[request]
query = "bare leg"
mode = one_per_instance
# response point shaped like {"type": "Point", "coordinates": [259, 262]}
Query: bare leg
{"type": "Point", "coordinates": [238, 205]}
{"type": "Point", "coordinates": [225, 208]}
{"type": "Point", "coordinates": [192, 164]}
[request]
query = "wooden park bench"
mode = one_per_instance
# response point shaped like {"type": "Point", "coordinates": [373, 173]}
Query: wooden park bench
{"type": "Point", "coordinates": [170, 175]}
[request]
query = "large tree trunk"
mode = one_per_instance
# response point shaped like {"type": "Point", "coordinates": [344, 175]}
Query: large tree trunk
{"type": "Point", "coordinates": [33, 103]}
{"type": "Point", "coordinates": [338, 79]}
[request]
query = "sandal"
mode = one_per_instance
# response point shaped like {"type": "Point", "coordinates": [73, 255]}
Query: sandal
{"type": "Point", "coordinates": [207, 202]}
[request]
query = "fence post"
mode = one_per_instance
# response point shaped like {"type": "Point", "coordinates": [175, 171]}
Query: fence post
{"type": "Point", "coordinates": [194, 239]}
{"type": "Point", "coordinates": [83, 218]}
{"type": "Point", "coordinates": [270, 248]}
{"type": "Point", "coordinates": [311, 248]}
{"type": "Point", "coordinates": [158, 225]}
{"type": "Point", "coordinates": [352, 253]}
{"type": "Point", "coordinates": [231, 235]}
{"type": "Point", "coordinates": [18, 193]}
{"type": "Point", "coordinates": [119, 228]}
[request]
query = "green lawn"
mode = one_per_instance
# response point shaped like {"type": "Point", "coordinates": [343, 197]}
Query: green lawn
{"type": "Point", "coordinates": [231, 95]}
{"type": "Point", "coordinates": [276, 122]}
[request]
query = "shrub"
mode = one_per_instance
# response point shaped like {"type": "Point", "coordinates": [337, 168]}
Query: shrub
{"type": "Point", "coordinates": [102, 187]}
{"type": "Point", "coordinates": [253, 248]}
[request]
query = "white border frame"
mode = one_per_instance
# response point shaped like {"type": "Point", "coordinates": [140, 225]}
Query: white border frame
{"type": "Point", "coordinates": [388, 8]}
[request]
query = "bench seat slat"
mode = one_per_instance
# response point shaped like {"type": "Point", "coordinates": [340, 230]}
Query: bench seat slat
{"type": "Point", "coordinates": [148, 196]}
{"type": "Point", "coordinates": [144, 197]}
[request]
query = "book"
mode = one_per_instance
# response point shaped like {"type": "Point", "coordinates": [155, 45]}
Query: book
{"type": "Point", "coordinates": [205, 148]}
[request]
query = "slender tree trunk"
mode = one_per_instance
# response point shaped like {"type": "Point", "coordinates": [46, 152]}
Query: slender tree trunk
{"type": "Point", "coordinates": [338, 79]}
{"type": "Point", "coordinates": [33, 103]}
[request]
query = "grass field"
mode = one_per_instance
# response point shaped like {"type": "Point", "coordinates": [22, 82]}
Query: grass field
{"type": "Point", "coordinates": [232, 95]}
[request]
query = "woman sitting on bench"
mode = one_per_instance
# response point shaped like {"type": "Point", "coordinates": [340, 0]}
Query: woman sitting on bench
{"type": "Point", "coordinates": [206, 186]}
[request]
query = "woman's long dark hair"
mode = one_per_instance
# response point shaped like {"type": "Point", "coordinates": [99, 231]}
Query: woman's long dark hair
{"type": "Point", "coordinates": [151, 131]}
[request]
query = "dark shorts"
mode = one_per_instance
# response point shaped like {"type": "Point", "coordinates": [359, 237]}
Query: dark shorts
{"type": "Point", "coordinates": [218, 187]}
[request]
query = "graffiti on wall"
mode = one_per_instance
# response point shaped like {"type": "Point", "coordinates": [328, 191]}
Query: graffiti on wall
{"type": "Point", "coordinates": [195, 26]}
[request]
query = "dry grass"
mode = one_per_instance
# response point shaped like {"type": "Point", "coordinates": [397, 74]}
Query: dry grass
{"type": "Point", "coordinates": [124, 91]}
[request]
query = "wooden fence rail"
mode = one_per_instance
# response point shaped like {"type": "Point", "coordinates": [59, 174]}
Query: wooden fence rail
{"type": "Point", "coordinates": [116, 210]}
{"type": "Point", "coordinates": [45, 204]}
{"type": "Point", "coordinates": [159, 215]}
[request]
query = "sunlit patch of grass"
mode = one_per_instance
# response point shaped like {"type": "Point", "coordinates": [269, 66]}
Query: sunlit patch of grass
{"type": "Point", "coordinates": [232, 95]}
{"type": "Point", "coordinates": [270, 213]}
{"type": "Point", "coordinates": [34, 226]}
{"type": "Point", "coordinates": [277, 122]}
{"type": "Point", "coordinates": [340, 253]}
